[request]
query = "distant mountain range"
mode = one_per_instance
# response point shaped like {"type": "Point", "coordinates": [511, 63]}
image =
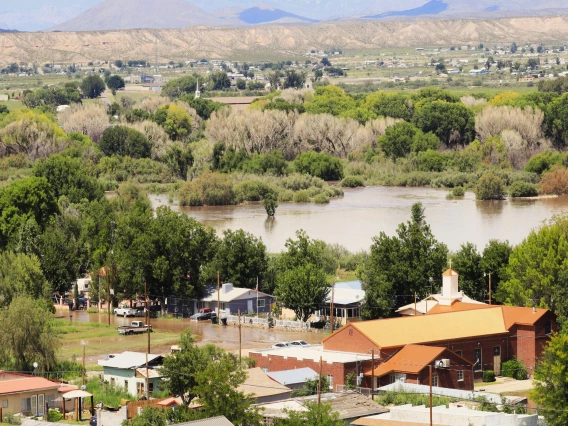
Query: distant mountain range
{"type": "Point", "coordinates": [152, 14]}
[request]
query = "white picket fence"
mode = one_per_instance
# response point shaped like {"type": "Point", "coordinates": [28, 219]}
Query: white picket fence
{"type": "Point", "coordinates": [247, 320]}
{"type": "Point", "coordinates": [297, 325]}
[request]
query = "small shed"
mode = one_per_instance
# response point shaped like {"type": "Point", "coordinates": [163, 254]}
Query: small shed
{"type": "Point", "coordinates": [293, 379]}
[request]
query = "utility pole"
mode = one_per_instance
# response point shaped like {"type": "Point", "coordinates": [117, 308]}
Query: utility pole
{"type": "Point", "coordinates": [331, 307]}
{"type": "Point", "coordinates": [430, 370]}
{"type": "Point", "coordinates": [373, 374]}
{"type": "Point", "coordinates": [240, 340]}
{"type": "Point", "coordinates": [415, 312]}
{"type": "Point", "coordinates": [319, 383]}
{"type": "Point", "coordinates": [219, 297]}
{"type": "Point", "coordinates": [147, 380]}
{"type": "Point", "coordinates": [147, 313]}
{"type": "Point", "coordinates": [108, 288]}
{"type": "Point", "coordinates": [490, 288]}
{"type": "Point", "coordinates": [83, 370]}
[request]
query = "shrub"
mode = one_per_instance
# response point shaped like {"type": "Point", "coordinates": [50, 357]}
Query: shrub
{"type": "Point", "coordinates": [211, 189]}
{"type": "Point", "coordinates": [352, 182]}
{"type": "Point", "coordinates": [87, 119]}
{"type": "Point", "coordinates": [432, 161]}
{"type": "Point", "coordinates": [458, 191]}
{"type": "Point", "coordinates": [488, 376]}
{"type": "Point", "coordinates": [322, 165]}
{"type": "Point", "coordinates": [120, 140]}
{"type": "Point", "coordinates": [490, 187]}
{"type": "Point", "coordinates": [286, 196]}
{"type": "Point", "coordinates": [251, 190]}
{"type": "Point", "coordinates": [515, 369]}
{"type": "Point", "coordinates": [555, 181]}
{"type": "Point", "coordinates": [302, 197]}
{"type": "Point", "coordinates": [321, 199]}
{"type": "Point", "coordinates": [544, 161]}
{"type": "Point", "coordinates": [451, 180]}
{"type": "Point", "coordinates": [54, 416]}
{"type": "Point", "coordinates": [523, 189]}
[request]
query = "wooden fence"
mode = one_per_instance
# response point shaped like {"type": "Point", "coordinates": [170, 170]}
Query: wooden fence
{"type": "Point", "coordinates": [134, 407]}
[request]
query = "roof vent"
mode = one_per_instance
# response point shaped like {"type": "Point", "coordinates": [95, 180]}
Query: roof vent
{"type": "Point", "coordinates": [534, 309]}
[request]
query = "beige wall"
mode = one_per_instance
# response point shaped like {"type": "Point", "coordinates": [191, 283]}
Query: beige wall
{"type": "Point", "coordinates": [14, 401]}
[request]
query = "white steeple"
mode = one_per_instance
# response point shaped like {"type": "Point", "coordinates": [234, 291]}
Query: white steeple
{"type": "Point", "coordinates": [197, 92]}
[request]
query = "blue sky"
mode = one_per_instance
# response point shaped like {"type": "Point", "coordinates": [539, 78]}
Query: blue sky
{"type": "Point", "coordinates": [20, 6]}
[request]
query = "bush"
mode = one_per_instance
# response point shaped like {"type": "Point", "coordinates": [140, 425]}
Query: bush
{"type": "Point", "coordinates": [352, 182]}
{"type": "Point", "coordinates": [252, 190]}
{"type": "Point", "coordinates": [120, 140]}
{"type": "Point", "coordinates": [286, 195]}
{"type": "Point", "coordinates": [322, 165]}
{"type": "Point", "coordinates": [210, 189]}
{"type": "Point", "coordinates": [54, 416]}
{"type": "Point", "coordinates": [515, 369]}
{"type": "Point", "coordinates": [544, 161]}
{"type": "Point", "coordinates": [490, 187]}
{"type": "Point", "coordinates": [458, 191]}
{"type": "Point", "coordinates": [488, 376]}
{"type": "Point", "coordinates": [555, 181]}
{"type": "Point", "coordinates": [523, 189]}
{"type": "Point", "coordinates": [432, 161]}
{"type": "Point", "coordinates": [302, 197]}
{"type": "Point", "coordinates": [321, 199]}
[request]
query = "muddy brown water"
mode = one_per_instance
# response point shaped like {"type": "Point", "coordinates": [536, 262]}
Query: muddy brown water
{"type": "Point", "coordinates": [360, 214]}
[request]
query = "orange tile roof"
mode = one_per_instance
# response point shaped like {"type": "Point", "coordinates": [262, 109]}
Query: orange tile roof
{"type": "Point", "coordinates": [24, 383]}
{"type": "Point", "coordinates": [396, 332]}
{"type": "Point", "coordinates": [450, 272]}
{"type": "Point", "coordinates": [457, 306]}
{"type": "Point", "coordinates": [411, 359]}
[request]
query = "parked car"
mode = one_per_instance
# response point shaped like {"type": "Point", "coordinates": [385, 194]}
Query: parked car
{"type": "Point", "coordinates": [281, 345]}
{"type": "Point", "coordinates": [125, 311]}
{"type": "Point", "coordinates": [203, 316]}
{"type": "Point", "coordinates": [299, 343]}
{"type": "Point", "coordinates": [93, 421]}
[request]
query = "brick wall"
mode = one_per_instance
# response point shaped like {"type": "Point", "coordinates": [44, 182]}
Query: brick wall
{"type": "Point", "coordinates": [349, 339]}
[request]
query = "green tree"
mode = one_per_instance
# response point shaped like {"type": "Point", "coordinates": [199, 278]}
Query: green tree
{"type": "Point", "coordinates": [92, 86]}
{"type": "Point", "coordinates": [321, 165]}
{"type": "Point", "coordinates": [304, 250]}
{"type": "Point", "coordinates": [453, 123]}
{"type": "Point", "coordinates": [203, 107]}
{"type": "Point", "coordinates": [537, 272]}
{"type": "Point", "coordinates": [402, 265]}
{"type": "Point", "coordinates": [115, 82]}
{"type": "Point", "coordinates": [310, 386]}
{"type": "Point", "coordinates": [180, 87]}
{"type": "Point", "coordinates": [241, 84]}
{"type": "Point", "coordinates": [220, 80]}
{"type": "Point", "coordinates": [179, 159]}
{"type": "Point", "coordinates": [118, 63]}
{"type": "Point", "coordinates": [21, 275]}
{"type": "Point", "coordinates": [270, 203]}
{"type": "Point", "coordinates": [550, 377]}
{"type": "Point", "coordinates": [240, 258]}
{"type": "Point", "coordinates": [294, 79]}
{"type": "Point", "coordinates": [150, 416]}
{"type": "Point", "coordinates": [490, 187]}
{"type": "Point", "coordinates": [25, 199]}
{"type": "Point", "coordinates": [395, 105]}
{"type": "Point", "coordinates": [121, 140]}
{"type": "Point", "coordinates": [69, 177]}
{"type": "Point", "coordinates": [303, 289]}
{"type": "Point", "coordinates": [513, 47]}
{"type": "Point", "coordinates": [316, 415]}
{"type": "Point", "coordinates": [27, 335]}
{"type": "Point", "coordinates": [403, 138]}
{"type": "Point", "coordinates": [330, 100]}
{"type": "Point", "coordinates": [175, 120]}
{"type": "Point", "coordinates": [467, 263]}
{"type": "Point", "coordinates": [494, 260]}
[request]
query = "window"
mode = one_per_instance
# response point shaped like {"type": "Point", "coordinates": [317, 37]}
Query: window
{"type": "Point", "coordinates": [26, 405]}
{"type": "Point", "coordinates": [261, 303]}
{"type": "Point", "coordinates": [151, 387]}
{"type": "Point", "coordinates": [460, 375]}
{"type": "Point", "coordinates": [4, 403]}
{"type": "Point", "coordinates": [140, 388]}
{"type": "Point", "coordinates": [460, 353]}
{"type": "Point", "coordinates": [477, 355]}
{"type": "Point", "coordinates": [547, 327]}
{"type": "Point", "coordinates": [126, 385]}
{"type": "Point", "coordinates": [397, 377]}
{"type": "Point", "coordinates": [330, 380]}
{"type": "Point", "coordinates": [434, 380]}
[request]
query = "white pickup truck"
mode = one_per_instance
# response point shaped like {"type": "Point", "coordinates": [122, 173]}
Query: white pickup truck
{"type": "Point", "coordinates": [136, 327]}
{"type": "Point", "coordinates": [125, 311]}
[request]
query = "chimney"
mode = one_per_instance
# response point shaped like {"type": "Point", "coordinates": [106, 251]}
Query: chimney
{"type": "Point", "coordinates": [228, 287]}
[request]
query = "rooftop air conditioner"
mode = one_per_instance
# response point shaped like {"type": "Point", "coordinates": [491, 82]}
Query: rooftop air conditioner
{"type": "Point", "coordinates": [446, 363]}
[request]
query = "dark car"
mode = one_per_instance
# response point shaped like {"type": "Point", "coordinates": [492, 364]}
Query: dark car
{"type": "Point", "coordinates": [93, 421]}
{"type": "Point", "coordinates": [203, 316]}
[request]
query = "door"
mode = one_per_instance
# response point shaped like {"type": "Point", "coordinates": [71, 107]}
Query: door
{"type": "Point", "coordinates": [34, 405]}
{"type": "Point", "coordinates": [249, 306]}
{"type": "Point", "coordinates": [40, 404]}
{"type": "Point", "coordinates": [497, 360]}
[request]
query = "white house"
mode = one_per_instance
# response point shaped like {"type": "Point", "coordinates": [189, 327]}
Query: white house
{"type": "Point", "coordinates": [84, 285]}
{"type": "Point", "coordinates": [128, 370]}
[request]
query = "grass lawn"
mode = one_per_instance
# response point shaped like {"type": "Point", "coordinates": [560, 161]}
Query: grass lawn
{"type": "Point", "coordinates": [100, 339]}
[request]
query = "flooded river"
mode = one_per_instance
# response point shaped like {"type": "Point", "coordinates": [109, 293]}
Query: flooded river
{"type": "Point", "coordinates": [362, 213]}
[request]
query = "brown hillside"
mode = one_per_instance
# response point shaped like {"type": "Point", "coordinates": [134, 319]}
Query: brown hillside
{"type": "Point", "coordinates": [272, 40]}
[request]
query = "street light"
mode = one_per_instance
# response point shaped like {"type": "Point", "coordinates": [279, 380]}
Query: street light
{"type": "Point", "coordinates": [35, 367]}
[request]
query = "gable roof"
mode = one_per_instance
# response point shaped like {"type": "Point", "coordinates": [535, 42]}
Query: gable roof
{"type": "Point", "coordinates": [234, 294]}
{"type": "Point", "coordinates": [511, 314]}
{"type": "Point", "coordinates": [411, 359]}
{"type": "Point", "coordinates": [213, 421]}
{"type": "Point", "coordinates": [260, 385]}
{"type": "Point", "coordinates": [129, 360]}
{"type": "Point", "coordinates": [395, 332]}
{"type": "Point", "coordinates": [290, 377]}
{"type": "Point", "coordinates": [11, 383]}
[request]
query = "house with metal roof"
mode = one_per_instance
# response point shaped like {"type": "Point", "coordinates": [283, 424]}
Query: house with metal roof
{"type": "Point", "coordinates": [128, 370]}
{"type": "Point", "coordinates": [262, 388]}
{"type": "Point", "coordinates": [294, 379]}
{"type": "Point", "coordinates": [232, 299]}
